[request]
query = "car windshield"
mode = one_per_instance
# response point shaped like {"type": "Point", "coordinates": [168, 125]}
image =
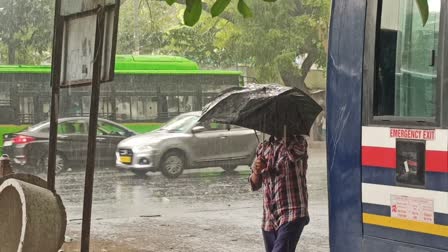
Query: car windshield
{"type": "Point", "coordinates": [181, 123]}
{"type": "Point", "coordinates": [37, 126]}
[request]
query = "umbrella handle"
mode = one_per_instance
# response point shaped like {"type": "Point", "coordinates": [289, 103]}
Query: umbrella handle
{"type": "Point", "coordinates": [256, 135]}
{"type": "Point", "coordinates": [284, 133]}
{"type": "Point", "coordinates": [264, 126]}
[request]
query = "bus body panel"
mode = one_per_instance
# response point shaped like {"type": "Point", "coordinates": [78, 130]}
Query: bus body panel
{"type": "Point", "coordinates": [344, 124]}
{"type": "Point", "coordinates": [373, 206]}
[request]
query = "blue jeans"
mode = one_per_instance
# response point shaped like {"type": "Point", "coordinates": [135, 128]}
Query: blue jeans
{"type": "Point", "coordinates": [285, 238]}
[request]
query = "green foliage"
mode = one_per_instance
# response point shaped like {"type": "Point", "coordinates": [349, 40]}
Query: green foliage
{"type": "Point", "coordinates": [244, 9]}
{"type": "Point", "coordinates": [192, 12]}
{"type": "Point", "coordinates": [142, 28]}
{"type": "Point", "coordinates": [199, 43]}
{"type": "Point", "coordinates": [279, 36]}
{"type": "Point", "coordinates": [170, 2]}
{"type": "Point", "coordinates": [274, 42]}
{"type": "Point", "coordinates": [25, 31]}
{"type": "Point", "coordinates": [219, 6]}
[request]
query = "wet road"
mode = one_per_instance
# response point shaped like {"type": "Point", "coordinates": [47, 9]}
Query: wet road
{"type": "Point", "coordinates": [202, 210]}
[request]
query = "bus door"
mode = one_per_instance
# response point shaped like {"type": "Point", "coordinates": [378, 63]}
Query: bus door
{"type": "Point", "coordinates": [404, 133]}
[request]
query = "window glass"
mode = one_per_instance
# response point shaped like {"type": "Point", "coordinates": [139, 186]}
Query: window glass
{"type": "Point", "coordinates": [213, 126]}
{"type": "Point", "coordinates": [74, 127]}
{"type": "Point", "coordinates": [123, 108]}
{"type": "Point", "coordinates": [143, 108]}
{"type": "Point", "coordinates": [105, 107]}
{"type": "Point", "coordinates": [181, 123]}
{"type": "Point", "coordinates": [406, 71]}
{"type": "Point", "coordinates": [185, 104]}
{"type": "Point", "coordinates": [107, 129]}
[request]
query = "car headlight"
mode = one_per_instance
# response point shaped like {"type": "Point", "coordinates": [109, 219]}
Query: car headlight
{"type": "Point", "coordinates": [144, 148]}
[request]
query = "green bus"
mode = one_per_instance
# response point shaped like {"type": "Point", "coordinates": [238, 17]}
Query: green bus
{"type": "Point", "coordinates": [145, 88]}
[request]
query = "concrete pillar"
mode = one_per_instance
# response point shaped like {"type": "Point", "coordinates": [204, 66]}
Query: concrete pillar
{"type": "Point", "coordinates": [32, 218]}
{"type": "Point", "coordinates": [5, 166]}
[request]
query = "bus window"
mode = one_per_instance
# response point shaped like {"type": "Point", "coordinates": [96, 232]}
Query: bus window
{"type": "Point", "coordinates": [406, 72]}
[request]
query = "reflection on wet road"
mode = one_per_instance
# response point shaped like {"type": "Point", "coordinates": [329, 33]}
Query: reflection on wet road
{"type": "Point", "coordinates": [202, 210]}
{"type": "Point", "coordinates": [126, 195]}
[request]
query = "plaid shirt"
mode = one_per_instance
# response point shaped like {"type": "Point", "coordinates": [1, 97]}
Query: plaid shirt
{"type": "Point", "coordinates": [284, 181]}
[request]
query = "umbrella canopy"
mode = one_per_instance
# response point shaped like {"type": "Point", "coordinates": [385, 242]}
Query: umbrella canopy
{"type": "Point", "coordinates": [266, 108]}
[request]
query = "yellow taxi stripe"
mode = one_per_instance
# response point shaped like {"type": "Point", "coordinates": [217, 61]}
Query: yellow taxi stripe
{"type": "Point", "coordinates": [421, 227]}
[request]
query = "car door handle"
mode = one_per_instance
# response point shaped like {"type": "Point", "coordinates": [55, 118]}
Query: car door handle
{"type": "Point", "coordinates": [223, 137]}
{"type": "Point", "coordinates": [100, 139]}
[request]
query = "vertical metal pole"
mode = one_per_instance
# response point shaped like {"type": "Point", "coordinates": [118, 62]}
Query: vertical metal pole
{"type": "Point", "coordinates": [91, 145]}
{"type": "Point", "coordinates": [55, 79]}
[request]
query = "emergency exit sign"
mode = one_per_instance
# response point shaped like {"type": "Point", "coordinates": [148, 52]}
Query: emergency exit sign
{"type": "Point", "coordinates": [419, 134]}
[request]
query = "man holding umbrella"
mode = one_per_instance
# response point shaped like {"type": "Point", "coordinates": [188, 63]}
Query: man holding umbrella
{"type": "Point", "coordinates": [280, 168]}
{"type": "Point", "coordinates": [284, 113]}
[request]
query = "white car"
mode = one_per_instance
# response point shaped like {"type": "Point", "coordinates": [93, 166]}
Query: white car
{"type": "Point", "coordinates": [185, 143]}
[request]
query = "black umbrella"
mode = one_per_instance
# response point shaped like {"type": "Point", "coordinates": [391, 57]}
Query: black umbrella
{"type": "Point", "coordinates": [272, 109]}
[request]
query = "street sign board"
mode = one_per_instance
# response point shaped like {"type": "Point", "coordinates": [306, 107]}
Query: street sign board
{"type": "Point", "coordinates": [78, 50]}
{"type": "Point", "coordinates": [79, 34]}
{"type": "Point", "coordinates": [70, 7]}
{"type": "Point", "coordinates": [83, 54]}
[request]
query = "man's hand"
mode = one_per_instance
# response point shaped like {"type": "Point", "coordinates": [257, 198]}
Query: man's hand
{"type": "Point", "coordinates": [259, 166]}
{"type": "Point", "coordinates": [255, 177]}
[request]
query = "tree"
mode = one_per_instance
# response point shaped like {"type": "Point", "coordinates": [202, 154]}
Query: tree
{"type": "Point", "coordinates": [193, 9]}
{"type": "Point", "coordinates": [26, 30]}
{"type": "Point", "coordinates": [142, 26]}
{"type": "Point", "coordinates": [200, 43]}
{"type": "Point", "coordinates": [283, 41]}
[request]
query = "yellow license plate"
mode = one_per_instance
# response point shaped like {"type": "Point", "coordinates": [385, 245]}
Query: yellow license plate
{"type": "Point", "coordinates": [125, 159]}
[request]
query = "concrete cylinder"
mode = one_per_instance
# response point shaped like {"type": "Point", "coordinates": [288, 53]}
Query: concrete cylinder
{"type": "Point", "coordinates": [5, 166]}
{"type": "Point", "coordinates": [32, 218]}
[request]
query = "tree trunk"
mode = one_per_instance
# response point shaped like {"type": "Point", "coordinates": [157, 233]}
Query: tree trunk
{"type": "Point", "coordinates": [11, 53]}
{"type": "Point", "coordinates": [292, 79]}
{"type": "Point", "coordinates": [295, 77]}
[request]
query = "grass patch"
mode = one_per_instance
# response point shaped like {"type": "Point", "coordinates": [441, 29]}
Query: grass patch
{"type": "Point", "coordinates": [11, 128]}
{"type": "Point", "coordinates": [6, 128]}
{"type": "Point", "coordinates": [143, 127]}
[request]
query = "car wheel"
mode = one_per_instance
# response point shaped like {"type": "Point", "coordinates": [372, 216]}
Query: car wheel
{"type": "Point", "coordinates": [60, 163]}
{"type": "Point", "coordinates": [140, 173]}
{"type": "Point", "coordinates": [229, 168]}
{"type": "Point", "coordinates": [173, 164]}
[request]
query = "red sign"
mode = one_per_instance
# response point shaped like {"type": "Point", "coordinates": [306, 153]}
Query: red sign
{"type": "Point", "coordinates": [412, 134]}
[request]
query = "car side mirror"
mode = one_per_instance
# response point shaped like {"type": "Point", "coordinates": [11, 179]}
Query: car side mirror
{"type": "Point", "coordinates": [198, 129]}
